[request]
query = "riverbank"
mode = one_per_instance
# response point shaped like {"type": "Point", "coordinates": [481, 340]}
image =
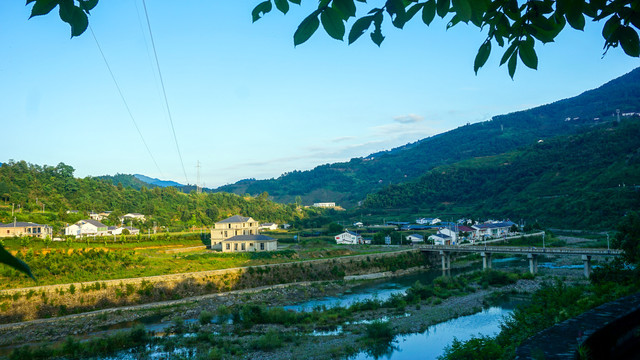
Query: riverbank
{"type": "Point", "coordinates": [48, 301]}
{"type": "Point", "coordinates": [343, 333]}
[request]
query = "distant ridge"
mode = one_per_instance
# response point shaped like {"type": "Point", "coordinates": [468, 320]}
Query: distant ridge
{"type": "Point", "coordinates": [347, 183]}
{"type": "Point", "coordinates": [156, 182]}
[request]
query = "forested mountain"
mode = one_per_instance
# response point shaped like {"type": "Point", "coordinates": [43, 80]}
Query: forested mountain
{"type": "Point", "coordinates": [126, 180]}
{"type": "Point", "coordinates": [29, 186]}
{"type": "Point", "coordinates": [586, 180]}
{"type": "Point", "coordinates": [348, 182]}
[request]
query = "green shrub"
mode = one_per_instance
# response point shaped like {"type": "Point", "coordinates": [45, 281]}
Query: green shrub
{"type": "Point", "coordinates": [205, 317]}
{"type": "Point", "coordinates": [380, 331]}
{"type": "Point", "coordinates": [268, 342]}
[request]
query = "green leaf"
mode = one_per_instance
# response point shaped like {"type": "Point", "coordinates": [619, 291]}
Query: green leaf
{"type": "Point", "coordinates": [79, 21]}
{"type": "Point", "coordinates": [429, 12]}
{"type": "Point", "coordinates": [346, 7]}
{"type": "Point", "coordinates": [66, 11]}
{"type": "Point", "coordinates": [610, 27]}
{"type": "Point", "coordinates": [396, 10]}
{"type": "Point", "coordinates": [629, 41]}
{"type": "Point", "coordinates": [88, 5]}
{"type": "Point", "coordinates": [43, 7]}
{"type": "Point", "coordinates": [528, 55]}
{"type": "Point", "coordinates": [7, 258]}
{"type": "Point", "coordinates": [513, 61]}
{"type": "Point", "coordinates": [462, 9]}
{"type": "Point", "coordinates": [359, 27]}
{"type": "Point", "coordinates": [576, 20]}
{"type": "Point", "coordinates": [412, 11]}
{"type": "Point", "coordinates": [482, 56]}
{"type": "Point", "coordinates": [282, 5]}
{"type": "Point", "coordinates": [507, 54]}
{"type": "Point", "coordinates": [442, 7]}
{"type": "Point", "coordinates": [306, 28]}
{"type": "Point", "coordinates": [376, 35]}
{"type": "Point", "coordinates": [332, 23]}
{"type": "Point", "coordinates": [261, 9]}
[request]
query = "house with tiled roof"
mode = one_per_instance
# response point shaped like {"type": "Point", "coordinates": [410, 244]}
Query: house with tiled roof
{"type": "Point", "coordinates": [21, 228]}
{"type": "Point", "coordinates": [245, 243]}
{"type": "Point", "coordinates": [492, 229]}
{"type": "Point", "coordinates": [240, 233]}
{"type": "Point", "coordinates": [441, 239]}
{"type": "Point", "coordinates": [416, 238]}
{"type": "Point", "coordinates": [87, 227]}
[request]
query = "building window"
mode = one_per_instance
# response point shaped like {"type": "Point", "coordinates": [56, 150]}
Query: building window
{"type": "Point", "coordinates": [243, 247]}
{"type": "Point", "coordinates": [261, 246]}
{"type": "Point", "coordinates": [250, 244]}
{"type": "Point", "coordinates": [235, 246]}
{"type": "Point", "coordinates": [228, 246]}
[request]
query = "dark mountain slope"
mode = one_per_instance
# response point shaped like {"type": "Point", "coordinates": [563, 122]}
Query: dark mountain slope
{"type": "Point", "coordinates": [587, 180]}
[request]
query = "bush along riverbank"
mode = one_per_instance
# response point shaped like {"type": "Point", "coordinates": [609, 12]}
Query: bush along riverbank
{"type": "Point", "coordinates": [58, 300]}
{"type": "Point", "coordinates": [555, 302]}
{"type": "Point", "coordinates": [252, 329]}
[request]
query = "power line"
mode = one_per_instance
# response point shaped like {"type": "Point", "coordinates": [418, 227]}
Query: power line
{"type": "Point", "coordinates": [164, 92]}
{"type": "Point", "coordinates": [126, 105]}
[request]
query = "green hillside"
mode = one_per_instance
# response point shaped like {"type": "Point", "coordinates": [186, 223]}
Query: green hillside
{"type": "Point", "coordinates": [586, 180]}
{"type": "Point", "coordinates": [348, 182]}
{"type": "Point", "coordinates": [28, 187]}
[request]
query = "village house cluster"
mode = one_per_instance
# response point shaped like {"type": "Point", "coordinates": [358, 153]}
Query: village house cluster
{"type": "Point", "coordinates": [447, 233]}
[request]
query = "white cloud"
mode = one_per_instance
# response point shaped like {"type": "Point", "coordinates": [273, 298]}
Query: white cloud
{"type": "Point", "coordinates": [408, 119]}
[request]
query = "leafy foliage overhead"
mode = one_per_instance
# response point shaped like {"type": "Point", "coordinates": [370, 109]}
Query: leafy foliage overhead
{"type": "Point", "coordinates": [514, 25]}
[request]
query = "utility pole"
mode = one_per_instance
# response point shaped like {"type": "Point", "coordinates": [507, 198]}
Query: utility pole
{"type": "Point", "coordinates": [12, 204]}
{"type": "Point", "coordinates": [198, 188]}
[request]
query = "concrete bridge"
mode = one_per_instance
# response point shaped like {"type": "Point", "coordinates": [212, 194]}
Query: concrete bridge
{"type": "Point", "coordinates": [531, 252]}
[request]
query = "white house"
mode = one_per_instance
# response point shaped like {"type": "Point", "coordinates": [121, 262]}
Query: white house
{"type": "Point", "coordinates": [268, 226]}
{"type": "Point", "coordinates": [117, 230]}
{"type": "Point", "coordinates": [99, 216]}
{"type": "Point", "coordinates": [349, 237]}
{"type": "Point", "coordinates": [358, 224]}
{"type": "Point", "coordinates": [416, 238]}
{"type": "Point", "coordinates": [133, 216]}
{"type": "Point", "coordinates": [86, 227]}
{"type": "Point", "coordinates": [428, 221]}
{"type": "Point", "coordinates": [492, 229]}
{"type": "Point", "coordinates": [440, 239]}
{"type": "Point", "coordinates": [324, 205]}
{"type": "Point", "coordinates": [451, 233]}
{"type": "Point", "coordinates": [286, 226]}
{"type": "Point", "coordinates": [246, 243]}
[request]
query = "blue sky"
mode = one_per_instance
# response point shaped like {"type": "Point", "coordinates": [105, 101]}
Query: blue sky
{"type": "Point", "coordinates": [245, 101]}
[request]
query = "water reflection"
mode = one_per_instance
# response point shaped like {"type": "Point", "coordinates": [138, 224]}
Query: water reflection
{"type": "Point", "coordinates": [431, 343]}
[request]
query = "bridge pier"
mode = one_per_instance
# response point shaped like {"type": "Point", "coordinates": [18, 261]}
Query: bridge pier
{"type": "Point", "coordinates": [533, 263]}
{"type": "Point", "coordinates": [446, 262]}
{"type": "Point", "coordinates": [486, 260]}
{"type": "Point", "coordinates": [587, 265]}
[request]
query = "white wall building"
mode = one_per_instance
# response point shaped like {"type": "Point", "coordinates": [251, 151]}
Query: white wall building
{"type": "Point", "coordinates": [349, 237]}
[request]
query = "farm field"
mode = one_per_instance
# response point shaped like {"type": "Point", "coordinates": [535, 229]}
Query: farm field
{"type": "Point", "coordinates": [82, 261]}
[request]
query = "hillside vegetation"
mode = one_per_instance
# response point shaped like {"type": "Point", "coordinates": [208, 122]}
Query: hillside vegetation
{"type": "Point", "coordinates": [28, 187]}
{"type": "Point", "coordinates": [348, 182]}
{"type": "Point", "coordinates": [587, 180]}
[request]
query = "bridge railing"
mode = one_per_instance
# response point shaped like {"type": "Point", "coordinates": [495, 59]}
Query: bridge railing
{"type": "Point", "coordinates": [523, 250]}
